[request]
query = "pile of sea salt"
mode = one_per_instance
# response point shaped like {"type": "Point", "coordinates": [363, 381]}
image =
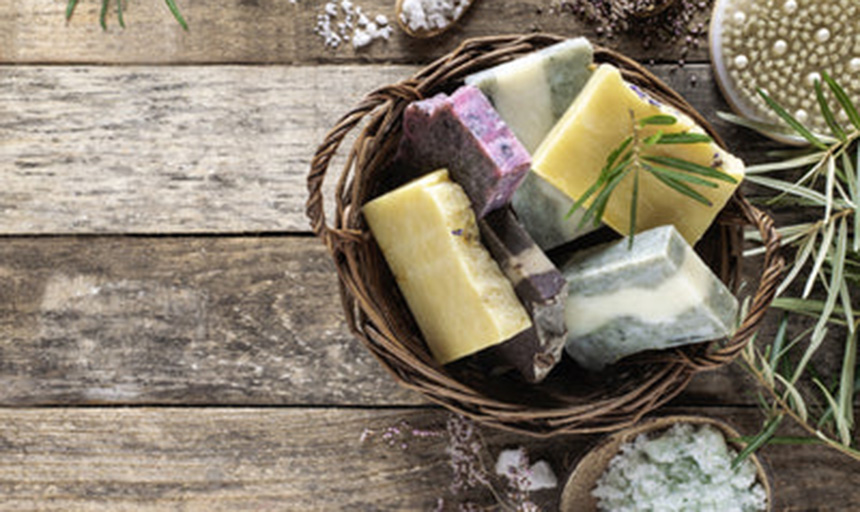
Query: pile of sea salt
{"type": "Point", "coordinates": [426, 15]}
{"type": "Point", "coordinates": [683, 469]}
{"type": "Point", "coordinates": [355, 25]}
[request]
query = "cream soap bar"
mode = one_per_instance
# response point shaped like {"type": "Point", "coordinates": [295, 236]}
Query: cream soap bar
{"type": "Point", "coordinates": [458, 295]}
{"type": "Point", "coordinates": [658, 294]}
{"type": "Point", "coordinates": [573, 154]}
{"type": "Point", "coordinates": [531, 94]}
{"type": "Point", "coordinates": [465, 135]}
{"type": "Point", "coordinates": [540, 287]}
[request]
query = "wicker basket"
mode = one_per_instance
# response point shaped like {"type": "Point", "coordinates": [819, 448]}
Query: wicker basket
{"type": "Point", "coordinates": [377, 313]}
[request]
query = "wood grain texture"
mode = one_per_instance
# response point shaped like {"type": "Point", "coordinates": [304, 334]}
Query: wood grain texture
{"type": "Point", "coordinates": [179, 321]}
{"type": "Point", "coordinates": [269, 32]}
{"type": "Point", "coordinates": [188, 149]}
{"type": "Point", "coordinates": [303, 459]}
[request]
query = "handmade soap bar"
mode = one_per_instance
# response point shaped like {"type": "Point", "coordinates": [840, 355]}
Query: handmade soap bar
{"type": "Point", "coordinates": [464, 134]}
{"type": "Point", "coordinates": [531, 94]}
{"type": "Point", "coordinates": [573, 154]}
{"type": "Point", "coordinates": [540, 288]}
{"type": "Point", "coordinates": [656, 295]}
{"type": "Point", "coordinates": [429, 236]}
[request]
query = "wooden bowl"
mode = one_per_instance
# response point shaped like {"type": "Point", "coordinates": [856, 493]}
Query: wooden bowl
{"type": "Point", "coordinates": [576, 496]}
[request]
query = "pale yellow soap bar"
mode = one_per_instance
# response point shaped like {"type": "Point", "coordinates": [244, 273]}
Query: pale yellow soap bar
{"type": "Point", "coordinates": [456, 291]}
{"type": "Point", "coordinates": [573, 154]}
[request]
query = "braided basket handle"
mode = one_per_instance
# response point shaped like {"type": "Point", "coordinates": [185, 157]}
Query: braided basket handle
{"type": "Point", "coordinates": [315, 205]}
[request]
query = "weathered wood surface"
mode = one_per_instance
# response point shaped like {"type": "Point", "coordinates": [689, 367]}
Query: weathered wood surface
{"type": "Point", "coordinates": [180, 321]}
{"type": "Point", "coordinates": [230, 321]}
{"type": "Point", "coordinates": [98, 459]}
{"type": "Point", "coordinates": [189, 149]}
{"type": "Point", "coordinates": [266, 32]}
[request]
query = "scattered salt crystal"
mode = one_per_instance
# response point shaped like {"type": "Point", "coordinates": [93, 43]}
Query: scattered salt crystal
{"type": "Point", "coordinates": [424, 15]}
{"type": "Point", "coordinates": [514, 464]}
{"type": "Point", "coordinates": [355, 25]}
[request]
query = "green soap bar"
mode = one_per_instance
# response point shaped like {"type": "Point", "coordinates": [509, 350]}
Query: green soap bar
{"type": "Point", "coordinates": [657, 295]}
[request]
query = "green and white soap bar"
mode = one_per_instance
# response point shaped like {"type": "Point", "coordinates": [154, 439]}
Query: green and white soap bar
{"type": "Point", "coordinates": [531, 94]}
{"type": "Point", "coordinates": [657, 295]}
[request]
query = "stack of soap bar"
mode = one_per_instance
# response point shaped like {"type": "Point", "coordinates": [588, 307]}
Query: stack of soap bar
{"type": "Point", "coordinates": [459, 297]}
{"type": "Point", "coordinates": [531, 94]}
{"type": "Point", "coordinates": [540, 287]}
{"type": "Point", "coordinates": [573, 154]}
{"type": "Point", "coordinates": [466, 135]}
{"type": "Point", "coordinates": [658, 294]}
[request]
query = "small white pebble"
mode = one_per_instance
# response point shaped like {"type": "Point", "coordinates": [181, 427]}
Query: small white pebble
{"type": "Point", "coordinates": [741, 61]}
{"type": "Point", "coordinates": [822, 35]}
{"type": "Point", "coordinates": [790, 6]}
{"type": "Point", "coordinates": [381, 19]}
{"type": "Point", "coordinates": [780, 47]}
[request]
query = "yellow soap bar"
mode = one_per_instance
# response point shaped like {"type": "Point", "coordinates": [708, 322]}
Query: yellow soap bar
{"type": "Point", "coordinates": [461, 300]}
{"type": "Point", "coordinates": [573, 154]}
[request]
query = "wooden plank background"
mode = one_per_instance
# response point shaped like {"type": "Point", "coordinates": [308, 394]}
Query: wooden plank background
{"type": "Point", "coordinates": [170, 335]}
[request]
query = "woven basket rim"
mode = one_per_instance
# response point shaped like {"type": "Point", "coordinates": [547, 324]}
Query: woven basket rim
{"type": "Point", "coordinates": [347, 240]}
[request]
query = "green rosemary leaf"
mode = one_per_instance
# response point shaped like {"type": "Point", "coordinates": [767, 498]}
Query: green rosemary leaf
{"type": "Point", "coordinates": [758, 440]}
{"type": "Point", "coordinates": [684, 138]}
{"type": "Point", "coordinates": [103, 14]}
{"type": "Point", "coordinates": [70, 9]}
{"type": "Point", "coordinates": [782, 440]}
{"type": "Point", "coordinates": [830, 174]}
{"type": "Point", "coordinates": [759, 126]}
{"type": "Point", "coordinates": [690, 167]}
{"type": "Point", "coordinates": [602, 198]}
{"type": "Point", "coordinates": [119, 13]}
{"type": "Point", "coordinates": [815, 340]}
{"type": "Point", "coordinates": [584, 197]}
{"type": "Point", "coordinates": [829, 118]}
{"type": "Point", "coordinates": [680, 176]}
{"type": "Point", "coordinates": [779, 340]}
{"type": "Point", "coordinates": [176, 14]}
{"type": "Point", "coordinates": [846, 383]}
{"type": "Point", "coordinates": [856, 170]}
{"type": "Point", "coordinates": [791, 121]}
{"type": "Point", "coordinates": [794, 398]}
{"type": "Point", "coordinates": [659, 119]}
{"type": "Point", "coordinates": [634, 206]}
{"type": "Point", "coordinates": [790, 188]}
{"type": "Point", "coordinates": [684, 189]}
{"type": "Point", "coordinates": [613, 156]}
{"type": "Point", "coordinates": [803, 255]}
{"type": "Point", "coordinates": [843, 100]}
{"type": "Point", "coordinates": [808, 307]}
{"type": "Point", "coordinates": [653, 139]}
{"type": "Point", "coordinates": [838, 416]}
{"type": "Point", "coordinates": [845, 298]}
{"type": "Point", "coordinates": [823, 251]}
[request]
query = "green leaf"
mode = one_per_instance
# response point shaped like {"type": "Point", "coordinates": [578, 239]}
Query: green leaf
{"type": "Point", "coordinates": [841, 424]}
{"type": "Point", "coordinates": [690, 167]}
{"type": "Point", "coordinates": [176, 14]}
{"type": "Point", "coordinates": [758, 440]}
{"type": "Point", "coordinates": [829, 118]}
{"type": "Point", "coordinates": [790, 188]}
{"type": "Point", "coordinates": [653, 139]}
{"type": "Point", "coordinates": [779, 340]}
{"type": "Point", "coordinates": [70, 9]}
{"type": "Point", "coordinates": [830, 174]}
{"type": "Point", "coordinates": [682, 188]}
{"type": "Point", "coordinates": [846, 382]}
{"type": "Point", "coordinates": [680, 176]}
{"type": "Point", "coordinates": [843, 100]}
{"type": "Point", "coordinates": [603, 197]}
{"type": "Point", "coordinates": [634, 205]}
{"type": "Point", "coordinates": [119, 13]}
{"type": "Point", "coordinates": [814, 342]}
{"type": "Point", "coordinates": [793, 395]}
{"type": "Point", "coordinates": [103, 14]}
{"type": "Point", "coordinates": [684, 138]}
{"type": "Point", "coordinates": [791, 121]}
{"type": "Point", "coordinates": [659, 119]}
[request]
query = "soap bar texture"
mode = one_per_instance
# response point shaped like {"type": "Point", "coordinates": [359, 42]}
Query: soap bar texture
{"type": "Point", "coordinates": [531, 94]}
{"type": "Point", "coordinates": [573, 154]}
{"type": "Point", "coordinates": [540, 287]}
{"type": "Point", "coordinates": [461, 300]}
{"type": "Point", "coordinates": [464, 134]}
{"type": "Point", "coordinates": [658, 294]}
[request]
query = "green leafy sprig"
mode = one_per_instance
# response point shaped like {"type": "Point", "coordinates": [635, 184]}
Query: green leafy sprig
{"type": "Point", "coordinates": [171, 4]}
{"type": "Point", "coordinates": [827, 255]}
{"type": "Point", "coordinates": [631, 158]}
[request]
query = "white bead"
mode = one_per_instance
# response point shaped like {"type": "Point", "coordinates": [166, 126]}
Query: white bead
{"type": "Point", "coordinates": [854, 64]}
{"type": "Point", "coordinates": [801, 115]}
{"type": "Point", "coordinates": [822, 35]}
{"type": "Point", "coordinates": [812, 78]}
{"type": "Point", "coordinates": [739, 17]}
{"type": "Point", "coordinates": [741, 61]}
{"type": "Point", "coordinates": [780, 47]}
{"type": "Point", "coordinates": [790, 6]}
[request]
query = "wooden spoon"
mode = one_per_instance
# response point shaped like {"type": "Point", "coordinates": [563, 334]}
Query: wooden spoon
{"type": "Point", "coordinates": [424, 33]}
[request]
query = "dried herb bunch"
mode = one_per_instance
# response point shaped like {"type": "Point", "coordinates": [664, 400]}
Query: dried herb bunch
{"type": "Point", "coordinates": [827, 255]}
{"type": "Point", "coordinates": [171, 4]}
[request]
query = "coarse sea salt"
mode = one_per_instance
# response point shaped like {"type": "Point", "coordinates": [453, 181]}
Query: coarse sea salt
{"type": "Point", "coordinates": [685, 468]}
{"type": "Point", "coordinates": [343, 21]}
{"type": "Point", "coordinates": [427, 15]}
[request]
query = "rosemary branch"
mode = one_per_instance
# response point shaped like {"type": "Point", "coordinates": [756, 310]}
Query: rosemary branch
{"type": "Point", "coordinates": [171, 4]}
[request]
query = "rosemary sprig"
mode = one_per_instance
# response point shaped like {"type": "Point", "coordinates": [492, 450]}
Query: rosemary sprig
{"type": "Point", "coordinates": [171, 4]}
{"type": "Point", "coordinates": [826, 252]}
{"type": "Point", "coordinates": [631, 158]}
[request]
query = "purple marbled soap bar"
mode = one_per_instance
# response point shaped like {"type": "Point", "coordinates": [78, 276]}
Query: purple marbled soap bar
{"type": "Point", "coordinates": [464, 134]}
